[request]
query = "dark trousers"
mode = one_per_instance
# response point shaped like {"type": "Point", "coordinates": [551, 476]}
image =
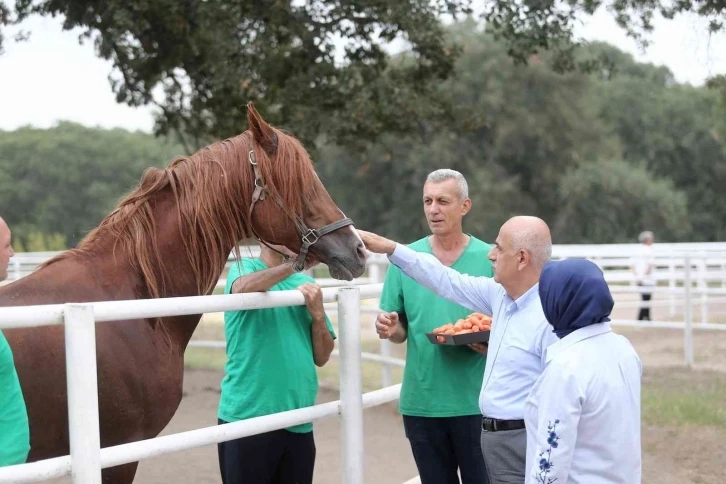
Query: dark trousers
{"type": "Point", "coordinates": [441, 445]}
{"type": "Point", "coordinates": [644, 313]}
{"type": "Point", "coordinates": [277, 457]}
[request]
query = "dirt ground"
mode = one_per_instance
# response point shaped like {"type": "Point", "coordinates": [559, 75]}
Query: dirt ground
{"type": "Point", "coordinates": [671, 455]}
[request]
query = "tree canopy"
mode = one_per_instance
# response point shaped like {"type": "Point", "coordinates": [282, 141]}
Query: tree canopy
{"type": "Point", "coordinates": [200, 62]}
{"type": "Point", "coordinates": [599, 155]}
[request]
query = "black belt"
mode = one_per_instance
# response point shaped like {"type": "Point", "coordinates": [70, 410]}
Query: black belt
{"type": "Point", "coordinates": [496, 425]}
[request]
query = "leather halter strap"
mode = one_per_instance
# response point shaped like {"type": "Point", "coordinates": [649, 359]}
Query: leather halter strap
{"type": "Point", "coordinates": [308, 236]}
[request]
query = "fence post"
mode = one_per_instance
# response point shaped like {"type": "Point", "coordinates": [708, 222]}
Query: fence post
{"type": "Point", "coordinates": [703, 286]}
{"type": "Point", "coordinates": [85, 439]}
{"type": "Point", "coordinates": [687, 313]}
{"type": "Point", "coordinates": [351, 387]}
{"type": "Point", "coordinates": [672, 284]}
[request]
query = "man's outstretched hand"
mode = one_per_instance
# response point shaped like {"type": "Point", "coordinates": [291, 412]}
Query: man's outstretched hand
{"type": "Point", "coordinates": [376, 243]}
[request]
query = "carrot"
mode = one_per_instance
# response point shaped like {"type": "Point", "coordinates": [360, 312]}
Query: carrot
{"type": "Point", "coordinates": [465, 331]}
{"type": "Point", "coordinates": [475, 328]}
{"type": "Point", "coordinates": [441, 339]}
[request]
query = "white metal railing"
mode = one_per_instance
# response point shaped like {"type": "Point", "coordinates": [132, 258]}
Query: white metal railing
{"type": "Point", "coordinates": [86, 458]}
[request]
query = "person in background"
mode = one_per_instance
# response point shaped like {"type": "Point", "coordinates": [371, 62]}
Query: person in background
{"type": "Point", "coordinates": [644, 268]}
{"type": "Point", "coordinates": [520, 332]}
{"type": "Point", "coordinates": [271, 359]}
{"type": "Point", "coordinates": [14, 429]}
{"type": "Point", "coordinates": [583, 413]}
{"type": "Point", "coordinates": [440, 383]}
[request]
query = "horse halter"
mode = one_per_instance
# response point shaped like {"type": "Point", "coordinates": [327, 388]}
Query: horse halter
{"type": "Point", "coordinates": [308, 236]}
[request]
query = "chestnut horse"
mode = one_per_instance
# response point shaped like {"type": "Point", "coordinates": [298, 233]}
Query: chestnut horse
{"type": "Point", "coordinates": [169, 237]}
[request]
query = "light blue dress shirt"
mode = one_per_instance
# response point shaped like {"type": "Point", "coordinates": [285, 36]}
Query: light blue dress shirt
{"type": "Point", "coordinates": [520, 332]}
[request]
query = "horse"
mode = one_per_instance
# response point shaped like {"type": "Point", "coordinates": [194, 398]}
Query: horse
{"type": "Point", "coordinates": [171, 236]}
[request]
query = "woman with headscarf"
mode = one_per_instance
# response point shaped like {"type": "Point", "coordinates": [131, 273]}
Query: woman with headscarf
{"type": "Point", "coordinates": [583, 412]}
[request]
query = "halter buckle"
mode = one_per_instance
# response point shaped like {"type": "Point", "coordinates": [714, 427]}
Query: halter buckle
{"type": "Point", "coordinates": [306, 238]}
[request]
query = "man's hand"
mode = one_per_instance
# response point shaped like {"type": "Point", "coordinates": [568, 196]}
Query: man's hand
{"type": "Point", "coordinates": [376, 243]}
{"type": "Point", "coordinates": [313, 299]}
{"type": "Point", "coordinates": [482, 348]}
{"type": "Point", "coordinates": [387, 324]}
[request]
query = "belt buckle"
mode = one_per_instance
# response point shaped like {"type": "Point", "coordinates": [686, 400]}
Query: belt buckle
{"type": "Point", "coordinates": [490, 424]}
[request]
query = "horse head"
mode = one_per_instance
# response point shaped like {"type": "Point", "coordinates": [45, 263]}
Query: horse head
{"type": "Point", "coordinates": [291, 207]}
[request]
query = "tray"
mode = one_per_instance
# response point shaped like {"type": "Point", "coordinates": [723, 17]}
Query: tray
{"type": "Point", "coordinates": [460, 339]}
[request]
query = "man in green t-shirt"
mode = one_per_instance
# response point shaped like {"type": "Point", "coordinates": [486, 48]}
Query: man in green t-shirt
{"type": "Point", "coordinates": [14, 431]}
{"type": "Point", "coordinates": [441, 384]}
{"type": "Point", "coordinates": [271, 358]}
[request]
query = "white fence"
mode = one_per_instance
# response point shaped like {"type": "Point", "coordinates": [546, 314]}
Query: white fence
{"type": "Point", "coordinates": [86, 458]}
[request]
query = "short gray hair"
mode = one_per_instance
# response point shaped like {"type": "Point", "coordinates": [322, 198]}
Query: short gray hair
{"type": "Point", "coordinates": [444, 174]}
{"type": "Point", "coordinates": [539, 247]}
{"type": "Point", "coordinates": [645, 235]}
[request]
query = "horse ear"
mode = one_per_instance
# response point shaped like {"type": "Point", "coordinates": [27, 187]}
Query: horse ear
{"type": "Point", "coordinates": [262, 132]}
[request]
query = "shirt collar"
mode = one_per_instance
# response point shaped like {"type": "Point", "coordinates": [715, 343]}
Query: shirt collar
{"type": "Point", "coordinates": [524, 300]}
{"type": "Point", "coordinates": [575, 337]}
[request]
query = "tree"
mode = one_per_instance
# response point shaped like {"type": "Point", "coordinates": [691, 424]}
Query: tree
{"type": "Point", "coordinates": [613, 201]}
{"type": "Point", "coordinates": [64, 180]}
{"type": "Point", "coordinates": [211, 57]}
{"type": "Point", "coordinates": [534, 26]}
{"type": "Point", "coordinates": [516, 131]}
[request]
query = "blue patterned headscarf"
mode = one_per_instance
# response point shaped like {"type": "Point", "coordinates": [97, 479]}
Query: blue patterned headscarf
{"type": "Point", "coordinates": [574, 294]}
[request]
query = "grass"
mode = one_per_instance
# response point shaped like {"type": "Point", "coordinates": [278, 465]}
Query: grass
{"type": "Point", "coordinates": [679, 397]}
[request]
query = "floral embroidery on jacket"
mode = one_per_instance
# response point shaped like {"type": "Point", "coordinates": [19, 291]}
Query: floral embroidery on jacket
{"type": "Point", "coordinates": [545, 458]}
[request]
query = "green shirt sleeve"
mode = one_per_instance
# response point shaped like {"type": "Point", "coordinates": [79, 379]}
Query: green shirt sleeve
{"type": "Point", "coordinates": [330, 327]}
{"type": "Point", "coordinates": [392, 294]}
{"type": "Point", "coordinates": [238, 269]}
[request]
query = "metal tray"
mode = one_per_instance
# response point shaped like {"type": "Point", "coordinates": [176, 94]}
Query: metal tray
{"type": "Point", "coordinates": [460, 339]}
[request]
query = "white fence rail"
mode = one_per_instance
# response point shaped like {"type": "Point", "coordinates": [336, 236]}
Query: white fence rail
{"type": "Point", "coordinates": [87, 458]}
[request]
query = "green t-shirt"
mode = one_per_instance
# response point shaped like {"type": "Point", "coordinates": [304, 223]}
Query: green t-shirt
{"type": "Point", "coordinates": [14, 431]}
{"type": "Point", "coordinates": [438, 380]}
{"type": "Point", "coordinates": [270, 366]}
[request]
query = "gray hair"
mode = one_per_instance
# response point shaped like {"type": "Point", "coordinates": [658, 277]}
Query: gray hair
{"type": "Point", "coordinates": [645, 235]}
{"type": "Point", "coordinates": [444, 174]}
{"type": "Point", "coordinates": [539, 248]}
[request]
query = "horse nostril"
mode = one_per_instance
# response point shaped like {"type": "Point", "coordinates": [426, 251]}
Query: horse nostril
{"type": "Point", "coordinates": [362, 252]}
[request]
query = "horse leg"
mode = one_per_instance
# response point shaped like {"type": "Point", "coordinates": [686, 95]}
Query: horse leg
{"type": "Point", "coordinates": [123, 474]}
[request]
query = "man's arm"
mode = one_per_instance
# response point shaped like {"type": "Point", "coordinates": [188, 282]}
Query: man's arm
{"type": "Point", "coordinates": [471, 292]}
{"type": "Point", "coordinates": [392, 326]}
{"type": "Point", "coordinates": [320, 334]}
{"type": "Point", "coordinates": [261, 281]}
{"type": "Point", "coordinates": [475, 293]}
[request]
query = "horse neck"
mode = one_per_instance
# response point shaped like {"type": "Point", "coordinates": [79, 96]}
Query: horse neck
{"type": "Point", "coordinates": [175, 269]}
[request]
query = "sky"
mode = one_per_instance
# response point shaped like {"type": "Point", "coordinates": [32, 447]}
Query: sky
{"type": "Point", "coordinates": [52, 77]}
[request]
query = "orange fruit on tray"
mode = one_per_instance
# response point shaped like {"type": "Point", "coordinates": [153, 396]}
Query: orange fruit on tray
{"type": "Point", "coordinates": [474, 323]}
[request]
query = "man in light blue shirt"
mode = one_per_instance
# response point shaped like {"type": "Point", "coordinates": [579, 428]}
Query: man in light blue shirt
{"type": "Point", "coordinates": [520, 332]}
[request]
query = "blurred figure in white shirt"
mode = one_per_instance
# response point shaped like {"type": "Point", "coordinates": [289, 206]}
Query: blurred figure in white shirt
{"type": "Point", "coordinates": [644, 268]}
{"type": "Point", "coordinates": [583, 413]}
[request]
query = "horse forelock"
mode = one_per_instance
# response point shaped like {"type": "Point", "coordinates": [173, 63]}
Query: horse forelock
{"type": "Point", "coordinates": [212, 190]}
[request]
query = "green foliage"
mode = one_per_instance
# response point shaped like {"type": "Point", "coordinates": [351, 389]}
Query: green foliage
{"type": "Point", "coordinates": [614, 200]}
{"type": "Point", "coordinates": [212, 57]}
{"type": "Point", "coordinates": [25, 239]}
{"type": "Point", "coordinates": [600, 156]}
{"type": "Point", "coordinates": [65, 180]}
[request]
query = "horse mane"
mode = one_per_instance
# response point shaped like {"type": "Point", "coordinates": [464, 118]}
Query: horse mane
{"type": "Point", "coordinates": [212, 190]}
